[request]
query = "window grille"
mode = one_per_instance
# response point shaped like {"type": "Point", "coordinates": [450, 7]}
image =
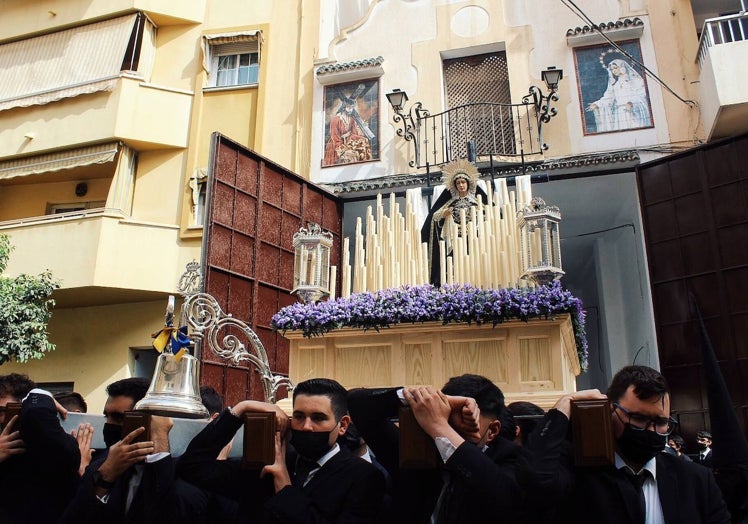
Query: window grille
{"type": "Point", "coordinates": [479, 79]}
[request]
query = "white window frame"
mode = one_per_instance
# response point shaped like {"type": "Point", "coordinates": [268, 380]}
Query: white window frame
{"type": "Point", "coordinates": [253, 69]}
{"type": "Point", "coordinates": [238, 47]}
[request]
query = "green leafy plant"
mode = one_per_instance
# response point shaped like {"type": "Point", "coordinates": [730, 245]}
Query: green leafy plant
{"type": "Point", "coordinates": [25, 310]}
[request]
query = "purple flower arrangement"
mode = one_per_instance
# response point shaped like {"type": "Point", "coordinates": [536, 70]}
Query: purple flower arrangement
{"type": "Point", "coordinates": [412, 304]}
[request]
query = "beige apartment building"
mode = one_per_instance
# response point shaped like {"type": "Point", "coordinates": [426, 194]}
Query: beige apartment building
{"type": "Point", "coordinates": [105, 122]}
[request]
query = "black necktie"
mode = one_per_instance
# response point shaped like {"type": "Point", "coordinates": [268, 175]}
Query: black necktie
{"type": "Point", "coordinates": [304, 466]}
{"type": "Point", "coordinates": [637, 481]}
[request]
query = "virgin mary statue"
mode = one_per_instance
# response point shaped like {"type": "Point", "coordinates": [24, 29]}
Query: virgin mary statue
{"type": "Point", "coordinates": [460, 179]}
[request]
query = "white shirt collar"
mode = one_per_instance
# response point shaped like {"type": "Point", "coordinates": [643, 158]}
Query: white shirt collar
{"type": "Point", "coordinates": [334, 450]}
{"type": "Point", "coordinates": [650, 465]}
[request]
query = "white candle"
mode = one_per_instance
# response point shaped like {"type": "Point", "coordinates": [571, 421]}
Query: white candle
{"type": "Point", "coordinates": [302, 270]}
{"type": "Point", "coordinates": [442, 262]}
{"type": "Point", "coordinates": [346, 268]}
{"type": "Point", "coordinates": [379, 207]}
{"type": "Point", "coordinates": [333, 281]}
{"type": "Point", "coordinates": [423, 267]}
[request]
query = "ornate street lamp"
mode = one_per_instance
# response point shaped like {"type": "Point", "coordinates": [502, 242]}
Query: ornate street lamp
{"type": "Point", "coordinates": [410, 122]}
{"type": "Point", "coordinates": [311, 268]}
{"type": "Point", "coordinates": [541, 101]}
{"type": "Point", "coordinates": [540, 242]}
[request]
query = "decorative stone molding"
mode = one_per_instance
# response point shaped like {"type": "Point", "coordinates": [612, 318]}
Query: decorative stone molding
{"type": "Point", "coordinates": [557, 166]}
{"type": "Point", "coordinates": [350, 71]}
{"type": "Point", "coordinates": [626, 29]}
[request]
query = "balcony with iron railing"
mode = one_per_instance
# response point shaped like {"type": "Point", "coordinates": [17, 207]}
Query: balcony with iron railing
{"type": "Point", "coordinates": [483, 132]}
{"type": "Point", "coordinates": [494, 130]}
{"type": "Point", "coordinates": [495, 133]}
{"type": "Point", "coordinates": [723, 101]}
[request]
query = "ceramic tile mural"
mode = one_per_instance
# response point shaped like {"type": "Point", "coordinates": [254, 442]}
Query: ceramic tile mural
{"type": "Point", "coordinates": [612, 88]}
{"type": "Point", "coordinates": [351, 123]}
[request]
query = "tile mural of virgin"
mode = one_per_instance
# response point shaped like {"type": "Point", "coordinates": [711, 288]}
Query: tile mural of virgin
{"type": "Point", "coordinates": [612, 89]}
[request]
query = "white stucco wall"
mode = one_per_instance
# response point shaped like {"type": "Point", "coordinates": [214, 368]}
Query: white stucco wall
{"type": "Point", "coordinates": [414, 36]}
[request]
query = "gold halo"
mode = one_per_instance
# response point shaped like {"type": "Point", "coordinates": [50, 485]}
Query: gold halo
{"type": "Point", "coordinates": [460, 169]}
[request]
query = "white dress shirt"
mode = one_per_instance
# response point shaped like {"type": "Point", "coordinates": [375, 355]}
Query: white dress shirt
{"type": "Point", "coordinates": [651, 495]}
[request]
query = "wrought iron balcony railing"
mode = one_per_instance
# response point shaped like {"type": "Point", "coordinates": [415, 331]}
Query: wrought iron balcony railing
{"type": "Point", "coordinates": [506, 132]}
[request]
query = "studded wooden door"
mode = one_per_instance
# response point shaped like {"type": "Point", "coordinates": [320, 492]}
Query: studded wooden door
{"type": "Point", "coordinates": [254, 208]}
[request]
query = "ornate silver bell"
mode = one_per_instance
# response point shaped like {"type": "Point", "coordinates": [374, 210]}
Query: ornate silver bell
{"type": "Point", "coordinates": [175, 388]}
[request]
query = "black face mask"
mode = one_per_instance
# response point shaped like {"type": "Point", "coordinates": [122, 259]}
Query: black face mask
{"type": "Point", "coordinates": [640, 446]}
{"type": "Point", "coordinates": [112, 434]}
{"type": "Point", "coordinates": [311, 444]}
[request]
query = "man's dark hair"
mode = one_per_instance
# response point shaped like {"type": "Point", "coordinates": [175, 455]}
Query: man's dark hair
{"type": "Point", "coordinates": [211, 399]}
{"type": "Point", "coordinates": [15, 385]}
{"type": "Point", "coordinates": [648, 383]}
{"type": "Point", "coordinates": [327, 387]}
{"type": "Point", "coordinates": [72, 401]}
{"type": "Point", "coordinates": [704, 434]}
{"type": "Point", "coordinates": [508, 428]}
{"type": "Point", "coordinates": [135, 388]}
{"type": "Point", "coordinates": [487, 395]}
{"type": "Point", "coordinates": [678, 441]}
{"type": "Point", "coordinates": [526, 416]}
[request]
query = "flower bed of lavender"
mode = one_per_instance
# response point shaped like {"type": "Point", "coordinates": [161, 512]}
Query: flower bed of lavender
{"type": "Point", "coordinates": [412, 304]}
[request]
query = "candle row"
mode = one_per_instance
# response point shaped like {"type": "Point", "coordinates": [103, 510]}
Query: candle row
{"type": "Point", "coordinates": [482, 250]}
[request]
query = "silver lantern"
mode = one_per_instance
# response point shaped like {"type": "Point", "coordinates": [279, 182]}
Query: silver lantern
{"type": "Point", "coordinates": [540, 242]}
{"type": "Point", "coordinates": [311, 270]}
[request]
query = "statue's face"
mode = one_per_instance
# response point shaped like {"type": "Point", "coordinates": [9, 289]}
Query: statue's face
{"type": "Point", "coordinates": [462, 186]}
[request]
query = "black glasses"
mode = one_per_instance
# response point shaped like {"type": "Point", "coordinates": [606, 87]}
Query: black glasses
{"type": "Point", "coordinates": [637, 421]}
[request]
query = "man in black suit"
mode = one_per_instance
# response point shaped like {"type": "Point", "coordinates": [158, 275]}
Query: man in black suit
{"type": "Point", "coordinates": [704, 438]}
{"type": "Point", "coordinates": [131, 481]}
{"type": "Point", "coordinates": [675, 445]}
{"type": "Point", "coordinates": [36, 484]}
{"type": "Point", "coordinates": [644, 485]}
{"type": "Point", "coordinates": [219, 508]}
{"type": "Point", "coordinates": [477, 480]}
{"type": "Point", "coordinates": [317, 481]}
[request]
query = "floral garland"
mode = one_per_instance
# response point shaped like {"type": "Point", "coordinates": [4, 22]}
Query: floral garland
{"type": "Point", "coordinates": [458, 303]}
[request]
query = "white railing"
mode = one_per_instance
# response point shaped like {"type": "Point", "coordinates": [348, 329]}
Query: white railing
{"type": "Point", "coordinates": [63, 217]}
{"type": "Point", "coordinates": [722, 30]}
